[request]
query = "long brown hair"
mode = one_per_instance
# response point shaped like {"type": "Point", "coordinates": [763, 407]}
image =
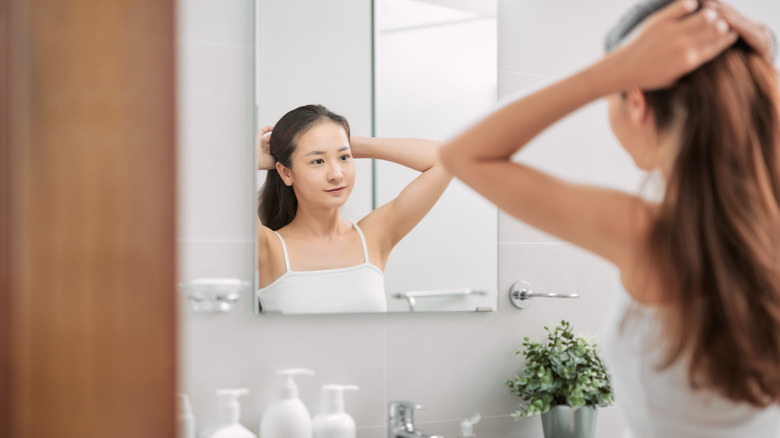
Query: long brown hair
{"type": "Point", "coordinates": [716, 239]}
{"type": "Point", "coordinates": [277, 204]}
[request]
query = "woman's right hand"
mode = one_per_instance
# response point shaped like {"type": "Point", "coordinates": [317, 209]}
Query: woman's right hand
{"type": "Point", "coordinates": [265, 161]}
{"type": "Point", "coordinates": [756, 35]}
{"type": "Point", "coordinates": [671, 43]}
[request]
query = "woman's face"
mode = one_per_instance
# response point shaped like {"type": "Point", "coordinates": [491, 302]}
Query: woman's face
{"type": "Point", "coordinates": [322, 172]}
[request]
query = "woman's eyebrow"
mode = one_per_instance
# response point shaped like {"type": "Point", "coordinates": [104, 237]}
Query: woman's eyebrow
{"type": "Point", "coordinates": [343, 148]}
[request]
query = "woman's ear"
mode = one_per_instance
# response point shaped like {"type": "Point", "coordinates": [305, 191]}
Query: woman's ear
{"type": "Point", "coordinates": [285, 173]}
{"type": "Point", "coordinates": [636, 105]}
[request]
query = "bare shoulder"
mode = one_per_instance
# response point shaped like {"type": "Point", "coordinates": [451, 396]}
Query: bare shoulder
{"type": "Point", "coordinates": [270, 256]}
{"type": "Point", "coordinates": [263, 233]}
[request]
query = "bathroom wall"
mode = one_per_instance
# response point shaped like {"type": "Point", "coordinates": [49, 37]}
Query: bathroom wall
{"type": "Point", "coordinates": [454, 363]}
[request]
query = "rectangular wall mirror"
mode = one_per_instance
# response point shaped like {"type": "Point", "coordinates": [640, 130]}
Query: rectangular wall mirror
{"type": "Point", "coordinates": [395, 69]}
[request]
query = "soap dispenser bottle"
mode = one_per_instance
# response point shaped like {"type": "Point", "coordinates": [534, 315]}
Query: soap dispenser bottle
{"type": "Point", "coordinates": [333, 422]}
{"type": "Point", "coordinates": [288, 416]}
{"type": "Point", "coordinates": [186, 419]}
{"type": "Point", "coordinates": [229, 414]}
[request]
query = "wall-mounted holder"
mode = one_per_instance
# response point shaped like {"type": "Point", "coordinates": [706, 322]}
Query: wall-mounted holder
{"type": "Point", "coordinates": [213, 294]}
{"type": "Point", "coordinates": [411, 297]}
{"type": "Point", "coordinates": [521, 294]}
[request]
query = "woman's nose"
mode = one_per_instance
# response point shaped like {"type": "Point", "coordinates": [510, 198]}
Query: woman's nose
{"type": "Point", "coordinates": [334, 172]}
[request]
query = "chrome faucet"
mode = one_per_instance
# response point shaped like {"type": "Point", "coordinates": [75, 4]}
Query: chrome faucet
{"type": "Point", "coordinates": [400, 423]}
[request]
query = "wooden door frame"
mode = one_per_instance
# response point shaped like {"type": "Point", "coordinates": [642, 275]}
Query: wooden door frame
{"type": "Point", "coordinates": [88, 325]}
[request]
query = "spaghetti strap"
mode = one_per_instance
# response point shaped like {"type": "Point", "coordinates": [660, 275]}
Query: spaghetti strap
{"type": "Point", "coordinates": [287, 257]}
{"type": "Point", "coordinates": [363, 240]}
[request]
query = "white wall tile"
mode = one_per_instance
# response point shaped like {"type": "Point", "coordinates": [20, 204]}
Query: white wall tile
{"type": "Point", "coordinates": [225, 22]}
{"type": "Point", "coordinates": [216, 141]}
{"type": "Point", "coordinates": [553, 37]}
{"type": "Point", "coordinates": [513, 230]}
{"type": "Point", "coordinates": [454, 364]}
{"type": "Point", "coordinates": [216, 258]}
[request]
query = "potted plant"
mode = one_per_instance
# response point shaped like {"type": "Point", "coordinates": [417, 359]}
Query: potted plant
{"type": "Point", "coordinates": [564, 380]}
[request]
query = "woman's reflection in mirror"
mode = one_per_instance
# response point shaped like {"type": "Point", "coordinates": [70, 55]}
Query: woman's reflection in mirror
{"type": "Point", "coordinates": [310, 258]}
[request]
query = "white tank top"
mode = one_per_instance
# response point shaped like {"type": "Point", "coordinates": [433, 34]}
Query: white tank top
{"type": "Point", "coordinates": [353, 289]}
{"type": "Point", "coordinates": [661, 403]}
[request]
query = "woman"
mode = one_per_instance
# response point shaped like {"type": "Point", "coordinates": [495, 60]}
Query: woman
{"type": "Point", "coordinates": [311, 259]}
{"type": "Point", "coordinates": [694, 345]}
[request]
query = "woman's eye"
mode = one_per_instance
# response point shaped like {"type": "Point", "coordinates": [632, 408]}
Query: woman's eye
{"type": "Point", "coordinates": [318, 161]}
{"type": "Point", "coordinates": [345, 157]}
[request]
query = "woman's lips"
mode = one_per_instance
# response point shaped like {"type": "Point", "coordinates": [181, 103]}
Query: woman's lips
{"type": "Point", "coordinates": [336, 190]}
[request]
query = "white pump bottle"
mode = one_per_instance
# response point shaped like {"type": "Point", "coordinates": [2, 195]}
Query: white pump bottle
{"type": "Point", "coordinates": [288, 416]}
{"type": "Point", "coordinates": [186, 419]}
{"type": "Point", "coordinates": [229, 414]}
{"type": "Point", "coordinates": [333, 422]}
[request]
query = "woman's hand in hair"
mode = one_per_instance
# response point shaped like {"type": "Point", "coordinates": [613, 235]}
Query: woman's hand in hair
{"type": "Point", "coordinates": [671, 43]}
{"type": "Point", "coordinates": [756, 35]}
{"type": "Point", "coordinates": [265, 161]}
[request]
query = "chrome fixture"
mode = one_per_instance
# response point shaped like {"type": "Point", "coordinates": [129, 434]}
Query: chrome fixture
{"type": "Point", "coordinates": [213, 294]}
{"type": "Point", "coordinates": [520, 294]}
{"type": "Point", "coordinates": [411, 297]}
{"type": "Point", "coordinates": [400, 423]}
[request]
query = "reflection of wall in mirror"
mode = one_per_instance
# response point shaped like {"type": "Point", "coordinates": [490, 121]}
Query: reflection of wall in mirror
{"type": "Point", "coordinates": [436, 73]}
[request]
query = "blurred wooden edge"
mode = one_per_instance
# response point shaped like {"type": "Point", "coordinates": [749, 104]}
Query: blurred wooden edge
{"type": "Point", "coordinates": [87, 219]}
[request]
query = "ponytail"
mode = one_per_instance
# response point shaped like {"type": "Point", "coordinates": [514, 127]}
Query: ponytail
{"type": "Point", "coordinates": [717, 236]}
{"type": "Point", "coordinates": [275, 193]}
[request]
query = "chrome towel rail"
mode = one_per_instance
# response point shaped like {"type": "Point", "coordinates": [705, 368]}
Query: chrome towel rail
{"type": "Point", "coordinates": [521, 294]}
{"type": "Point", "coordinates": [411, 296]}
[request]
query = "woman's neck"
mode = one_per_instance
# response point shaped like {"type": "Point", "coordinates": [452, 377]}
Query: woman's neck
{"type": "Point", "coordinates": [318, 223]}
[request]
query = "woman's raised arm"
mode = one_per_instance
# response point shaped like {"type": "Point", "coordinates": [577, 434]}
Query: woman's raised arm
{"type": "Point", "coordinates": [671, 43]}
{"type": "Point", "coordinates": [398, 217]}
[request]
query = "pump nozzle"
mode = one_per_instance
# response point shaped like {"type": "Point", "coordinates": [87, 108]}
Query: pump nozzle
{"type": "Point", "coordinates": [289, 388]}
{"type": "Point", "coordinates": [467, 425]}
{"type": "Point", "coordinates": [229, 409]}
{"type": "Point", "coordinates": [185, 408]}
{"type": "Point", "coordinates": [333, 397]}
{"type": "Point", "coordinates": [186, 419]}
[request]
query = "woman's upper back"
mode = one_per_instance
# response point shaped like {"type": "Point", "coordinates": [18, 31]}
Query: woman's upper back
{"type": "Point", "coordinates": [660, 402]}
